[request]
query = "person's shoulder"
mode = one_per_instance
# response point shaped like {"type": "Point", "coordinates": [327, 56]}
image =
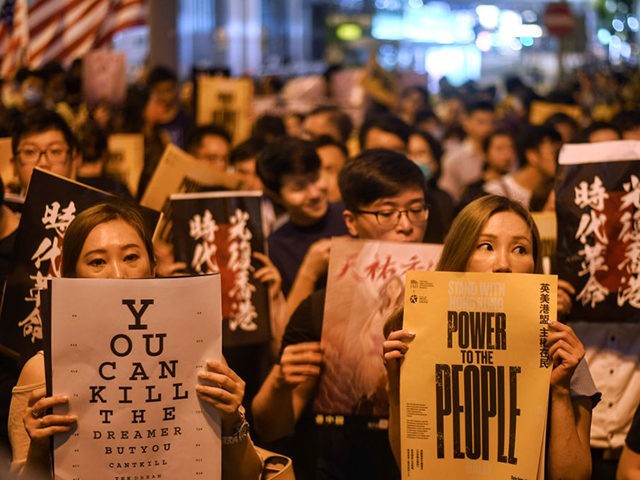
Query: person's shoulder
{"type": "Point", "coordinates": [494, 186]}
{"type": "Point", "coordinates": [282, 232]}
{"type": "Point", "coordinates": [452, 153]}
{"type": "Point", "coordinates": [305, 324]}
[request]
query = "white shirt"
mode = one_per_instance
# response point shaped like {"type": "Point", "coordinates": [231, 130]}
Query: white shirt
{"type": "Point", "coordinates": [506, 186]}
{"type": "Point", "coordinates": [460, 167]}
{"type": "Point", "coordinates": [613, 355]}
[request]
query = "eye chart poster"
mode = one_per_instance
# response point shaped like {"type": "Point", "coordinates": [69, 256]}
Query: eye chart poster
{"type": "Point", "coordinates": [127, 353]}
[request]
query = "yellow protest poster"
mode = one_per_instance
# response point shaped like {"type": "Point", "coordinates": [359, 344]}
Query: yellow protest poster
{"type": "Point", "coordinates": [227, 102]}
{"type": "Point", "coordinates": [179, 172]}
{"type": "Point", "coordinates": [6, 167]}
{"type": "Point", "coordinates": [126, 159]}
{"type": "Point", "coordinates": [547, 227]}
{"type": "Point", "coordinates": [474, 385]}
{"type": "Point", "coordinates": [540, 111]}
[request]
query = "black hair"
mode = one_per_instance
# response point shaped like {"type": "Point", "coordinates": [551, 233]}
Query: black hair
{"type": "Point", "coordinates": [426, 114]}
{"type": "Point", "coordinates": [626, 120]}
{"type": "Point", "coordinates": [488, 140]}
{"type": "Point", "coordinates": [434, 145]}
{"type": "Point", "coordinates": [161, 74]}
{"type": "Point", "coordinates": [336, 116]}
{"type": "Point", "coordinates": [269, 127]}
{"type": "Point", "coordinates": [246, 150]}
{"type": "Point", "coordinates": [377, 173]}
{"type": "Point", "coordinates": [51, 69]}
{"type": "Point", "coordinates": [40, 120]}
{"type": "Point", "coordinates": [479, 106]}
{"type": "Point", "coordinates": [84, 223]}
{"type": "Point", "coordinates": [596, 126]}
{"type": "Point", "coordinates": [286, 156]}
{"type": "Point", "coordinates": [436, 152]}
{"type": "Point", "coordinates": [532, 137]}
{"type": "Point", "coordinates": [325, 140]}
{"type": "Point", "coordinates": [559, 118]}
{"type": "Point", "coordinates": [202, 131]}
{"type": "Point", "coordinates": [386, 122]}
{"type": "Point", "coordinates": [23, 73]}
{"type": "Point", "coordinates": [92, 142]}
{"type": "Point", "coordinates": [422, 91]}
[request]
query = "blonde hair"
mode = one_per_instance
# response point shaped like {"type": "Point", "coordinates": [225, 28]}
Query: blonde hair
{"type": "Point", "coordinates": [467, 227]}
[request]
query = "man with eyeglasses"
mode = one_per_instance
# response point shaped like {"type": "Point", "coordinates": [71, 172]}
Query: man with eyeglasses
{"type": "Point", "coordinates": [40, 138]}
{"type": "Point", "coordinates": [384, 198]}
{"type": "Point", "coordinates": [43, 139]}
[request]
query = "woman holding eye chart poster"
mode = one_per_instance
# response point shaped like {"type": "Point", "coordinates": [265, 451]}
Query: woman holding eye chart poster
{"type": "Point", "coordinates": [494, 234]}
{"type": "Point", "coordinates": [109, 241]}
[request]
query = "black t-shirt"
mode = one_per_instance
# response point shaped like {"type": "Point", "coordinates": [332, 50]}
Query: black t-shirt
{"type": "Point", "coordinates": [289, 244]}
{"type": "Point", "coordinates": [9, 370]}
{"type": "Point", "coordinates": [6, 255]}
{"type": "Point", "coordinates": [633, 437]}
{"type": "Point", "coordinates": [333, 452]}
{"type": "Point", "coordinates": [441, 214]}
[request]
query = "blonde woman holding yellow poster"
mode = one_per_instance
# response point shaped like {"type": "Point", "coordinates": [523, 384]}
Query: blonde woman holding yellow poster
{"type": "Point", "coordinates": [496, 235]}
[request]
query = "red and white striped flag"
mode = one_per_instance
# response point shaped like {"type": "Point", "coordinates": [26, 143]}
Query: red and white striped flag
{"type": "Point", "coordinates": [64, 30]}
{"type": "Point", "coordinates": [14, 36]}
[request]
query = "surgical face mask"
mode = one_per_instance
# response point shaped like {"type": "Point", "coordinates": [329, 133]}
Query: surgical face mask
{"type": "Point", "coordinates": [32, 96]}
{"type": "Point", "coordinates": [427, 171]}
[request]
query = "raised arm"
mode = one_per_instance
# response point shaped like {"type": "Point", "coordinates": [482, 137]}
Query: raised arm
{"type": "Point", "coordinates": [270, 275]}
{"type": "Point", "coordinates": [313, 267]}
{"type": "Point", "coordinates": [629, 466]}
{"type": "Point", "coordinates": [31, 424]}
{"type": "Point", "coordinates": [224, 389]}
{"type": "Point", "coordinates": [393, 351]}
{"type": "Point", "coordinates": [568, 454]}
{"type": "Point", "coordinates": [285, 393]}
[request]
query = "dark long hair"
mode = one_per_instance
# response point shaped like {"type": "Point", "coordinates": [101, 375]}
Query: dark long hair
{"type": "Point", "coordinates": [88, 219]}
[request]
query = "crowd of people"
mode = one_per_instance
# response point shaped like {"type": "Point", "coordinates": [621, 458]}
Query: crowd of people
{"type": "Point", "coordinates": [464, 168]}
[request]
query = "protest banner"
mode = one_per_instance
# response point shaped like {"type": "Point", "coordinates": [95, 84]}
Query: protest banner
{"type": "Point", "coordinates": [104, 77]}
{"type": "Point", "coordinates": [218, 232]}
{"type": "Point", "coordinates": [365, 284]}
{"type": "Point", "coordinates": [179, 172]}
{"type": "Point", "coordinates": [598, 207]}
{"type": "Point", "coordinates": [546, 223]}
{"type": "Point", "coordinates": [540, 111]}
{"type": "Point", "coordinates": [474, 385]}
{"type": "Point", "coordinates": [227, 102]}
{"type": "Point", "coordinates": [52, 202]}
{"type": "Point", "coordinates": [6, 167]}
{"type": "Point", "coordinates": [127, 353]}
{"type": "Point", "coordinates": [126, 159]}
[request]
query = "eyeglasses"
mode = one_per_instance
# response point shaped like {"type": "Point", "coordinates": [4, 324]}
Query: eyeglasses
{"type": "Point", "coordinates": [390, 218]}
{"type": "Point", "coordinates": [30, 156]}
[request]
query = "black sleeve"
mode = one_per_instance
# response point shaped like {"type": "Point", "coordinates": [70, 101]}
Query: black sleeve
{"type": "Point", "coordinates": [633, 437]}
{"type": "Point", "coordinates": [305, 324]}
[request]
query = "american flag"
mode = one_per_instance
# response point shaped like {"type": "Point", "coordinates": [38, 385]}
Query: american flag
{"type": "Point", "coordinates": [64, 30]}
{"type": "Point", "coordinates": [14, 36]}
